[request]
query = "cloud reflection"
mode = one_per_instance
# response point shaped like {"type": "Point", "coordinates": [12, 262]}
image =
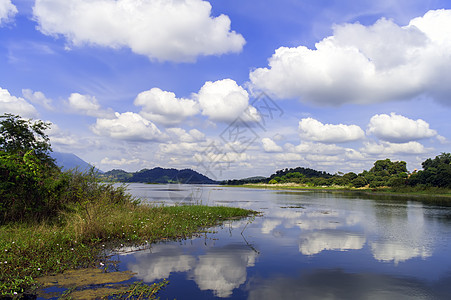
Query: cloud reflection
{"type": "Point", "coordinates": [164, 260]}
{"type": "Point", "coordinates": [219, 269]}
{"type": "Point", "coordinates": [337, 284]}
{"type": "Point", "coordinates": [315, 242]}
{"type": "Point", "coordinates": [223, 269]}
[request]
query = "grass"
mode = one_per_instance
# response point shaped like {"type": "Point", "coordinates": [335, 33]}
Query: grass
{"type": "Point", "coordinates": [28, 251]}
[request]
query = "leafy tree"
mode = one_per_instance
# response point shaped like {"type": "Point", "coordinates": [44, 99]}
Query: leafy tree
{"type": "Point", "coordinates": [27, 172]}
{"type": "Point", "coordinates": [19, 136]}
{"type": "Point", "coordinates": [436, 172]}
{"type": "Point", "coordinates": [359, 182]}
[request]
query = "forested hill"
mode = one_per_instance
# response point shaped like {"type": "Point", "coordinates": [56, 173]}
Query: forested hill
{"type": "Point", "coordinates": [159, 175]}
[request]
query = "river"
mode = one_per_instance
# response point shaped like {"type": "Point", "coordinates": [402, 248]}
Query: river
{"type": "Point", "coordinates": [305, 245]}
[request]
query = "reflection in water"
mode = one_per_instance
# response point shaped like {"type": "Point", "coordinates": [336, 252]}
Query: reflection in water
{"type": "Point", "coordinates": [223, 269]}
{"type": "Point", "coordinates": [402, 234]}
{"type": "Point", "coordinates": [400, 249]}
{"type": "Point", "coordinates": [315, 242]}
{"type": "Point", "coordinates": [159, 264]}
{"type": "Point", "coordinates": [337, 284]}
{"type": "Point", "coordinates": [397, 252]}
{"type": "Point", "coordinates": [220, 269]}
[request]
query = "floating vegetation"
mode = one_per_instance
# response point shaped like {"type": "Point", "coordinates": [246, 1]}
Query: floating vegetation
{"type": "Point", "coordinates": [94, 284]}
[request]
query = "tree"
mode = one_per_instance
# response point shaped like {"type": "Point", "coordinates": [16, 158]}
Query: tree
{"type": "Point", "coordinates": [19, 136]}
{"type": "Point", "coordinates": [437, 171]}
{"type": "Point", "coordinates": [27, 172]}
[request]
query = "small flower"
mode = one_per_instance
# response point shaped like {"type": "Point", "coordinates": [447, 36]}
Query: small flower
{"type": "Point", "coordinates": [39, 269]}
{"type": "Point", "coordinates": [15, 293]}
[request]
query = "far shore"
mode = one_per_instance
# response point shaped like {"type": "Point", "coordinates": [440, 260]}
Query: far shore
{"type": "Point", "coordinates": [426, 193]}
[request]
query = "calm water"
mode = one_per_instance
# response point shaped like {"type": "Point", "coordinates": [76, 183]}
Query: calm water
{"type": "Point", "coordinates": [307, 245]}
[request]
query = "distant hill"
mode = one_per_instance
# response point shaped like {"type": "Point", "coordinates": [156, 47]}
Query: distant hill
{"type": "Point", "coordinates": [69, 161]}
{"type": "Point", "coordinates": [159, 175]}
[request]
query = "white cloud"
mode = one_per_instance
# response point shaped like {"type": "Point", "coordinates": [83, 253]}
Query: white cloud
{"type": "Point", "coordinates": [365, 64]}
{"type": "Point", "coordinates": [385, 148]}
{"type": "Point", "coordinates": [223, 100]}
{"type": "Point", "coordinates": [315, 148]}
{"type": "Point", "coordinates": [179, 134]}
{"type": "Point", "coordinates": [163, 30]}
{"type": "Point", "coordinates": [270, 146]}
{"type": "Point", "coordinates": [313, 130]}
{"type": "Point", "coordinates": [163, 107]}
{"type": "Point", "coordinates": [7, 11]}
{"type": "Point", "coordinates": [37, 98]}
{"type": "Point", "coordinates": [127, 126]}
{"type": "Point", "coordinates": [86, 104]}
{"type": "Point", "coordinates": [61, 138]}
{"type": "Point", "coordinates": [289, 157]}
{"type": "Point", "coordinates": [399, 129]}
{"type": "Point", "coordinates": [15, 105]}
{"type": "Point", "coordinates": [119, 162]}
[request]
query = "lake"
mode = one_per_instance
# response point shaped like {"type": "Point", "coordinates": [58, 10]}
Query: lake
{"type": "Point", "coordinates": [305, 245]}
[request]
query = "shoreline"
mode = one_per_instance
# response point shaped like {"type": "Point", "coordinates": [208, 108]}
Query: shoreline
{"type": "Point", "coordinates": [341, 189]}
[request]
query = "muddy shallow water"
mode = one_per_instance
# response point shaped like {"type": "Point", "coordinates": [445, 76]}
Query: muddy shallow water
{"type": "Point", "coordinates": [309, 245]}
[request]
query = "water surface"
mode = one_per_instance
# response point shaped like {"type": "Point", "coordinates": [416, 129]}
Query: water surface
{"type": "Point", "coordinates": [309, 245]}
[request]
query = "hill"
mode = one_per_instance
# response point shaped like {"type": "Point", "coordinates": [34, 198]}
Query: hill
{"type": "Point", "coordinates": [69, 161]}
{"type": "Point", "coordinates": [159, 175]}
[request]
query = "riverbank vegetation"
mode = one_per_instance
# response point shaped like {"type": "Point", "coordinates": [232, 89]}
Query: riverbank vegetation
{"type": "Point", "coordinates": [51, 221]}
{"type": "Point", "coordinates": [384, 176]}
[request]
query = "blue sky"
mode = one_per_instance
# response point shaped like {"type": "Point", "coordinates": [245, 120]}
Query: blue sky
{"type": "Point", "coordinates": [232, 88]}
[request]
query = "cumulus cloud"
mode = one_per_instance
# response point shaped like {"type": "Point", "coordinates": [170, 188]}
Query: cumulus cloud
{"type": "Point", "coordinates": [386, 148]}
{"type": "Point", "coordinates": [37, 98]}
{"type": "Point", "coordinates": [86, 104]}
{"type": "Point", "coordinates": [399, 129]}
{"type": "Point", "coordinates": [163, 107]}
{"type": "Point", "coordinates": [314, 130]}
{"type": "Point", "coordinates": [127, 126]}
{"type": "Point", "coordinates": [223, 100]}
{"type": "Point", "coordinates": [365, 64]}
{"type": "Point", "coordinates": [162, 30]}
{"type": "Point", "coordinates": [180, 135]}
{"type": "Point", "coordinates": [270, 146]}
{"type": "Point", "coordinates": [7, 11]}
{"type": "Point", "coordinates": [315, 148]}
{"type": "Point", "coordinates": [16, 105]}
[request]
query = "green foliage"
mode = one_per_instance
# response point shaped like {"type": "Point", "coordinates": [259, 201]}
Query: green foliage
{"type": "Point", "coordinates": [359, 181]}
{"type": "Point", "coordinates": [19, 136]}
{"type": "Point", "coordinates": [436, 172]}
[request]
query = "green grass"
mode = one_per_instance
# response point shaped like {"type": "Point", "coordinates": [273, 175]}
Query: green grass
{"type": "Point", "coordinates": [28, 251]}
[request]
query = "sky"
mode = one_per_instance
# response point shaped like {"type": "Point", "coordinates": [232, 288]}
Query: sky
{"type": "Point", "coordinates": [232, 89]}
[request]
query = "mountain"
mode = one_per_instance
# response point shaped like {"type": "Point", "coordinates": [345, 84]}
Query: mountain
{"type": "Point", "coordinates": [69, 161]}
{"type": "Point", "coordinates": [159, 175]}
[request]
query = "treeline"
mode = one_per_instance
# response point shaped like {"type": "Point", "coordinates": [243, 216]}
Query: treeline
{"type": "Point", "coordinates": [385, 173]}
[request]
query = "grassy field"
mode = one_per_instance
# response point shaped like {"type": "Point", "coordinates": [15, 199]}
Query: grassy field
{"type": "Point", "coordinates": [29, 251]}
